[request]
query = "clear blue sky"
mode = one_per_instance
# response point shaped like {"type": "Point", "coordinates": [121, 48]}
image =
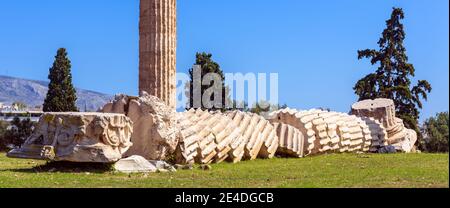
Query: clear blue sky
{"type": "Point", "coordinates": [311, 44]}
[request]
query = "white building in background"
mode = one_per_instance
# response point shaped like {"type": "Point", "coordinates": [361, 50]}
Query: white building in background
{"type": "Point", "coordinates": [6, 115]}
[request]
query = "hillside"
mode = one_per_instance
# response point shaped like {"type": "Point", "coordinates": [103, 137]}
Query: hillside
{"type": "Point", "coordinates": [33, 93]}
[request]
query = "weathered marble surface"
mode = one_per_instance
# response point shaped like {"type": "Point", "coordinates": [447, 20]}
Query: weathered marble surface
{"type": "Point", "coordinates": [383, 110]}
{"type": "Point", "coordinates": [312, 132]}
{"type": "Point", "coordinates": [156, 134]}
{"type": "Point", "coordinates": [214, 137]}
{"type": "Point", "coordinates": [138, 164]}
{"type": "Point", "coordinates": [157, 49]}
{"type": "Point", "coordinates": [78, 137]}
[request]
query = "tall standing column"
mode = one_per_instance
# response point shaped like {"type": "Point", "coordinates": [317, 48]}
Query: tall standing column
{"type": "Point", "coordinates": [157, 49]}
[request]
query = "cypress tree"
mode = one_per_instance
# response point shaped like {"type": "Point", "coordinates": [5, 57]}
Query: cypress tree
{"type": "Point", "coordinates": [204, 60]}
{"type": "Point", "coordinates": [61, 95]}
{"type": "Point", "coordinates": [392, 79]}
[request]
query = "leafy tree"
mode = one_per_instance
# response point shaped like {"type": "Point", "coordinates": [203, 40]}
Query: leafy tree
{"type": "Point", "coordinates": [436, 133]}
{"type": "Point", "coordinates": [16, 135]}
{"type": "Point", "coordinates": [61, 95]}
{"type": "Point", "coordinates": [204, 60]}
{"type": "Point", "coordinates": [392, 79]}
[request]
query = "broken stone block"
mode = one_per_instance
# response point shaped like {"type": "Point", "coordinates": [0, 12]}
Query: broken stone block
{"type": "Point", "coordinates": [135, 164]}
{"type": "Point", "coordinates": [156, 134]}
{"type": "Point", "coordinates": [138, 164]}
{"type": "Point", "coordinates": [383, 110]}
{"type": "Point", "coordinates": [78, 137]}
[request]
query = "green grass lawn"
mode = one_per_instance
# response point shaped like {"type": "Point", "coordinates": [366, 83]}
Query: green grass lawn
{"type": "Point", "coordinates": [340, 170]}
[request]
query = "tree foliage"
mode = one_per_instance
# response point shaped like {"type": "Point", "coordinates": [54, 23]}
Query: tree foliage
{"type": "Point", "coordinates": [392, 79]}
{"type": "Point", "coordinates": [61, 95]}
{"type": "Point", "coordinates": [436, 133]}
{"type": "Point", "coordinates": [16, 134]}
{"type": "Point", "coordinates": [204, 60]}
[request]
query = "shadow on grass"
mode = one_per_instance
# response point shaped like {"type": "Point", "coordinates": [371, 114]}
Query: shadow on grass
{"type": "Point", "coordinates": [67, 167]}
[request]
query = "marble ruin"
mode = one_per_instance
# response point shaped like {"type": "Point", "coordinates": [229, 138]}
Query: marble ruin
{"type": "Point", "coordinates": [147, 127]}
{"type": "Point", "coordinates": [383, 110]}
{"type": "Point", "coordinates": [155, 133]}
{"type": "Point", "coordinates": [205, 137]}
{"type": "Point", "coordinates": [216, 137]}
{"type": "Point", "coordinates": [314, 132]}
{"type": "Point", "coordinates": [78, 137]}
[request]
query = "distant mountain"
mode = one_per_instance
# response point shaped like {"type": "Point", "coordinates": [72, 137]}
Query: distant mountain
{"type": "Point", "coordinates": [33, 93]}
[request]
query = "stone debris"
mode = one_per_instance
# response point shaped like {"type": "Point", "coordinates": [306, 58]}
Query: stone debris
{"type": "Point", "coordinates": [138, 164]}
{"type": "Point", "coordinates": [135, 164]}
{"type": "Point", "coordinates": [78, 137]}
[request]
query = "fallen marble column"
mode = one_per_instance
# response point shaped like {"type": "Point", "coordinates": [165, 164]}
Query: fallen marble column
{"type": "Point", "coordinates": [186, 151]}
{"type": "Point", "coordinates": [327, 131]}
{"type": "Point", "coordinates": [331, 119]}
{"type": "Point", "coordinates": [259, 138]}
{"type": "Point", "coordinates": [378, 133]}
{"type": "Point", "coordinates": [343, 132]}
{"type": "Point", "coordinates": [356, 134]}
{"type": "Point", "coordinates": [242, 121]}
{"type": "Point", "coordinates": [291, 141]}
{"type": "Point", "coordinates": [78, 137]}
{"type": "Point", "coordinates": [206, 137]}
{"type": "Point", "coordinates": [302, 120]}
{"type": "Point", "coordinates": [383, 110]}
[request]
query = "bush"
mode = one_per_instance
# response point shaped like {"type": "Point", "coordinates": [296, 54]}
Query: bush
{"type": "Point", "coordinates": [436, 133]}
{"type": "Point", "coordinates": [16, 134]}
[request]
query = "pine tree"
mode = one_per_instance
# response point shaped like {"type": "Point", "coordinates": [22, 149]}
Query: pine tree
{"type": "Point", "coordinates": [61, 95]}
{"type": "Point", "coordinates": [392, 78]}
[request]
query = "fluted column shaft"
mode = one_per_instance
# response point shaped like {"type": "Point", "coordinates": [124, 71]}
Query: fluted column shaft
{"type": "Point", "coordinates": [157, 49]}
